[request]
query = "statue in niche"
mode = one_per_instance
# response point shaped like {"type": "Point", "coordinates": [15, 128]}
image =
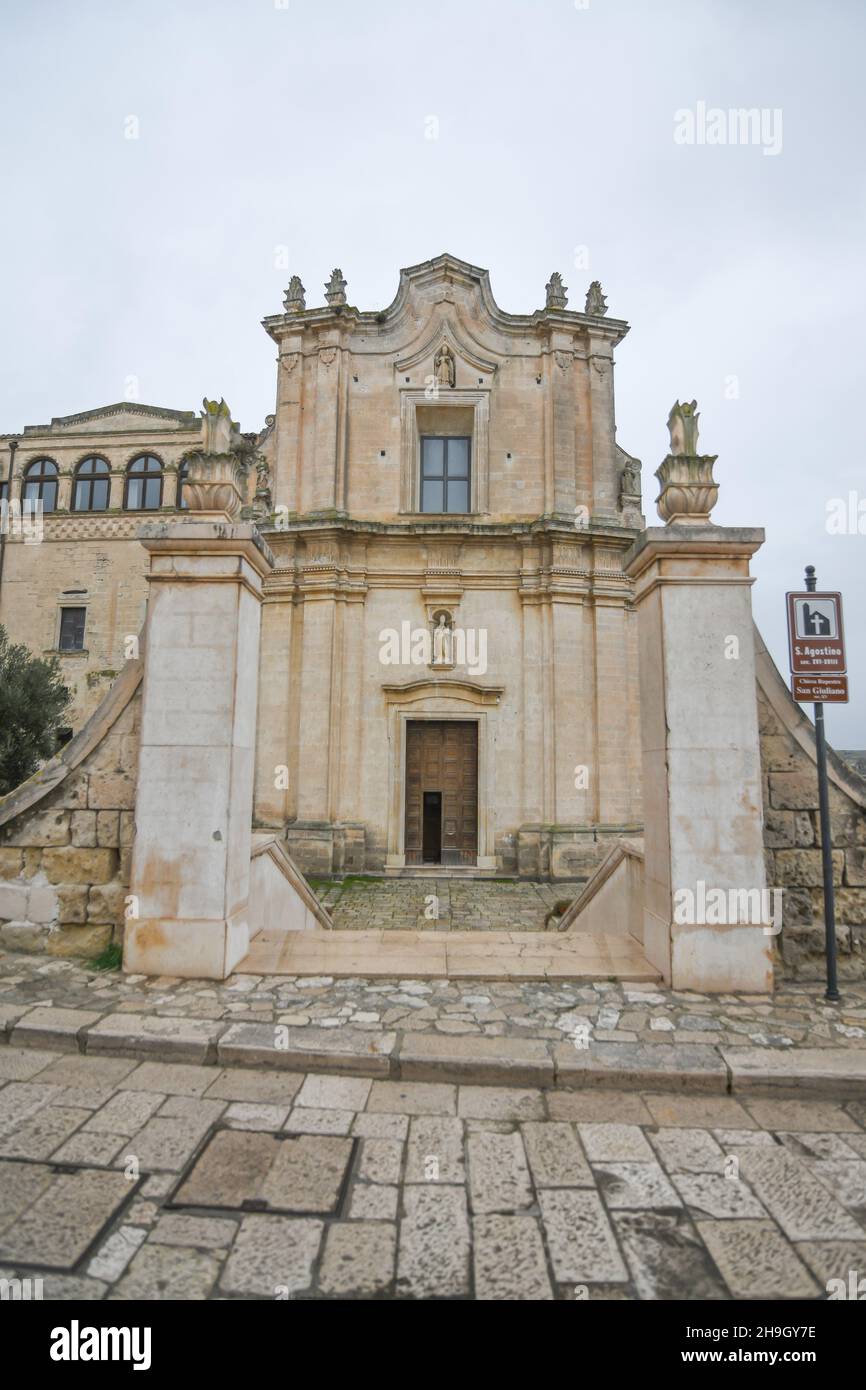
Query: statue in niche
{"type": "Point", "coordinates": [443, 641]}
{"type": "Point", "coordinates": [443, 366]}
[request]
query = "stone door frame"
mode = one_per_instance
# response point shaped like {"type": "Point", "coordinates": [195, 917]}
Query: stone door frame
{"type": "Point", "coordinates": [428, 700]}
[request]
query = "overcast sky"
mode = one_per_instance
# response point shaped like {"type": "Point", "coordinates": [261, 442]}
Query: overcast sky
{"type": "Point", "coordinates": [306, 124]}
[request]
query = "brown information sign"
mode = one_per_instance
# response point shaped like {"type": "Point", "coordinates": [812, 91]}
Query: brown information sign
{"type": "Point", "coordinates": [816, 640]}
{"type": "Point", "coordinates": [827, 690]}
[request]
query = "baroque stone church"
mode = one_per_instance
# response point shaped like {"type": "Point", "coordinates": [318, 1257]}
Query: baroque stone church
{"type": "Point", "coordinates": [448, 667]}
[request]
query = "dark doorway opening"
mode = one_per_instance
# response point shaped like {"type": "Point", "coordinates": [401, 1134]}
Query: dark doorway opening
{"type": "Point", "coordinates": [431, 842]}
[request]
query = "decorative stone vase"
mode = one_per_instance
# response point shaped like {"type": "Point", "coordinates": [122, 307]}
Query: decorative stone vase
{"type": "Point", "coordinates": [214, 483]}
{"type": "Point", "coordinates": [688, 489]}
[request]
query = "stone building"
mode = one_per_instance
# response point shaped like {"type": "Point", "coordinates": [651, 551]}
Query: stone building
{"type": "Point", "coordinates": [448, 660]}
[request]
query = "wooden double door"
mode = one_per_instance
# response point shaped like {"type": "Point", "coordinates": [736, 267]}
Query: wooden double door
{"type": "Point", "coordinates": [441, 792]}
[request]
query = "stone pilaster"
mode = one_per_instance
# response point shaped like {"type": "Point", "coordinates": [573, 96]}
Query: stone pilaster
{"type": "Point", "coordinates": [193, 815]}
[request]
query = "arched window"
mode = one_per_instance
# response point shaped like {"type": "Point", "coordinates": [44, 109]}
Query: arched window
{"type": "Point", "coordinates": [92, 482]}
{"type": "Point", "coordinates": [143, 484]}
{"type": "Point", "coordinates": [40, 482]}
{"type": "Point", "coordinates": [182, 472]}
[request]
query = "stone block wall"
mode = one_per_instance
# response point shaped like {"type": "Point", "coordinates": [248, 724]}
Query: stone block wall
{"type": "Point", "coordinates": [66, 836]}
{"type": "Point", "coordinates": [792, 835]}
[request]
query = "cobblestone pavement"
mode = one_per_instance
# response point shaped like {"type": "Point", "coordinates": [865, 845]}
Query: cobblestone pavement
{"type": "Point", "coordinates": [34, 990]}
{"type": "Point", "coordinates": [126, 1180]}
{"type": "Point", "coordinates": [442, 904]}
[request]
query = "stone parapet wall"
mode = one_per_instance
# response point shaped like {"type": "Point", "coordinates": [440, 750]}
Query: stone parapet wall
{"type": "Point", "coordinates": [66, 836]}
{"type": "Point", "coordinates": [792, 834]}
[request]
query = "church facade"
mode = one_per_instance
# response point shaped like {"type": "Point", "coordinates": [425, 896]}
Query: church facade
{"type": "Point", "coordinates": [448, 665]}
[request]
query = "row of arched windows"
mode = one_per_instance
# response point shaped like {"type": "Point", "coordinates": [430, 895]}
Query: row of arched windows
{"type": "Point", "coordinates": [91, 482]}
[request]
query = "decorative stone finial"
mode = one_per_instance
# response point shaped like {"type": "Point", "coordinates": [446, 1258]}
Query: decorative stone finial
{"type": "Point", "coordinates": [295, 299]}
{"type": "Point", "coordinates": [556, 297]}
{"type": "Point", "coordinates": [335, 289]}
{"type": "Point", "coordinates": [683, 426]}
{"type": "Point", "coordinates": [688, 489]}
{"type": "Point", "coordinates": [596, 304]}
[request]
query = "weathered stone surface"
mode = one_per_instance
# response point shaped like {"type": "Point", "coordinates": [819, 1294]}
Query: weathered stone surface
{"type": "Point", "coordinates": [580, 1239]}
{"type": "Point", "coordinates": [170, 1078]}
{"type": "Point", "coordinates": [114, 1255]}
{"type": "Point", "coordinates": [717, 1196]}
{"type": "Point", "coordinates": [666, 1258]}
{"type": "Point", "coordinates": [200, 1232]}
{"type": "Point", "coordinates": [265, 1087]}
{"type": "Point", "coordinates": [50, 1027]}
{"type": "Point", "coordinates": [130, 1035]}
{"type": "Point", "coordinates": [272, 1256]}
{"type": "Point", "coordinates": [499, 1103]}
{"type": "Point", "coordinates": [19, 1064]}
{"type": "Point", "coordinates": [339, 1050]}
{"type": "Point", "coordinates": [433, 1258]}
{"type": "Point", "coordinates": [71, 865]}
{"type": "Point", "coordinates": [243, 1115]}
{"type": "Point", "coordinates": [691, 1111]}
{"type": "Point", "coordinates": [834, 1259]}
{"type": "Point", "coordinates": [635, 1186]}
{"type": "Point", "coordinates": [334, 1092]}
{"type": "Point", "coordinates": [435, 1150]}
{"type": "Point", "coordinates": [412, 1098]}
{"type": "Point", "coordinates": [498, 1173]}
{"type": "Point", "coordinates": [373, 1202]}
{"type": "Point", "coordinates": [358, 1257]}
{"type": "Point", "coordinates": [688, 1151]}
{"type": "Point", "coordinates": [556, 1158]}
{"type": "Point", "coordinates": [599, 1107]}
{"type": "Point", "coordinates": [614, 1143]}
{"type": "Point", "coordinates": [759, 1068]}
{"type": "Point", "coordinates": [230, 1171]}
{"type": "Point", "coordinates": [516, 1061]}
{"type": "Point", "coordinates": [161, 1272]}
{"type": "Point", "coordinates": [797, 1200]}
{"type": "Point", "coordinates": [755, 1260]}
{"type": "Point", "coordinates": [639, 1066]}
{"type": "Point", "coordinates": [64, 1219]}
{"type": "Point", "coordinates": [807, 1115]}
{"type": "Point", "coordinates": [307, 1174]}
{"type": "Point", "coordinates": [41, 1134]}
{"type": "Point", "coordinates": [303, 1120]}
{"type": "Point", "coordinates": [509, 1259]}
{"type": "Point", "coordinates": [381, 1160]}
{"type": "Point", "coordinates": [125, 1113]}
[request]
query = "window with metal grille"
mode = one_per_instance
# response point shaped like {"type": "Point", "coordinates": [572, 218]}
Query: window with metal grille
{"type": "Point", "coordinates": [72, 629]}
{"type": "Point", "coordinates": [444, 473]}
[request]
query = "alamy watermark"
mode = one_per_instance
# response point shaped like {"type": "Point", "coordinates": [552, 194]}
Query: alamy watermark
{"type": "Point", "coordinates": [711, 907]}
{"type": "Point", "coordinates": [715, 125]}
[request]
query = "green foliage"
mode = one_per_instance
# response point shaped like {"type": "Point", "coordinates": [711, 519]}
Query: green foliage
{"type": "Point", "coordinates": [109, 959]}
{"type": "Point", "coordinates": [33, 699]}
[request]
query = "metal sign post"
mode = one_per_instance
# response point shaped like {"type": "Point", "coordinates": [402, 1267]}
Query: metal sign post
{"type": "Point", "coordinates": [817, 649]}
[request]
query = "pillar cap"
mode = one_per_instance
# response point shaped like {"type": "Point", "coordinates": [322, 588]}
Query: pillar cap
{"type": "Point", "coordinates": [208, 537]}
{"type": "Point", "coordinates": [691, 542]}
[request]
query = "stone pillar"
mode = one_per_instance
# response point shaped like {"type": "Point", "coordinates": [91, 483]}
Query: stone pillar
{"type": "Point", "coordinates": [705, 898]}
{"type": "Point", "coordinates": [193, 817]}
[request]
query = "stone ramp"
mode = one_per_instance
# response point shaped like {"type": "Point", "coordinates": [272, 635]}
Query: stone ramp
{"type": "Point", "coordinates": [433, 902]}
{"type": "Point", "coordinates": [484, 955]}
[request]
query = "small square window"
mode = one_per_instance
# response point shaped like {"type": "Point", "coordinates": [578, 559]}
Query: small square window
{"type": "Point", "coordinates": [72, 629]}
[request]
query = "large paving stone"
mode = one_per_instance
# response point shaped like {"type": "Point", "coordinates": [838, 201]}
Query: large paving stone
{"type": "Point", "coordinates": [381, 1160]}
{"type": "Point", "coordinates": [22, 1099]}
{"type": "Point", "coordinates": [615, 1143]}
{"type": "Point", "coordinates": [64, 1219]}
{"type": "Point", "coordinates": [170, 1039]}
{"type": "Point", "coordinates": [635, 1186]}
{"type": "Point", "coordinates": [373, 1202]}
{"type": "Point", "coordinates": [582, 1245]}
{"type": "Point", "coordinates": [435, 1150]}
{"type": "Point", "coordinates": [51, 1027]}
{"type": "Point", "coordinates": [272, 1256]}
{"type": "Point", "coordinates": [714, 1195]}
{"type": "Point", "coordinates": [358, 1257]}
{"type": "Point", "coordinates": [509, 1262]}
{"type": "Point", "coordinates": [498, 1173]}
{"type": "Point", "coordinates": [125, 1113]}
{"type": "Point", "coordinates": [256, 1087]}
{"type": "Point", "coordinates": [412, 1098]}
{"type": "Point", "coordinates": [499, 1103]}
{"type": "Point", "coordinates": [666, 1258]}
{"type": "Point", "coordinates": [230, 1171]}
{"type": "Point", "coordinates": [556, 1158]}
{"type": "Point", "coordinates": [688, 1151]}
{"type": "Point", "coordinates": [303, 1049]}
{"type": "Point", "coordinates": [433, 1258]}
{"type": "Point", "coordinates": [832, 1070]}
{"type": "Point", "coordinates": [488, 1061]}
{"type": "Point", "coordinates": [598, 1107]}
{"type": "Point", "coordinates": [334, 1092]}
{"type": "Point", "coordinates": [307, 1173]}
{"type": "Point", "coordinates": [692, 1112]}
{"type": "Point", "coordinates": [41, 1134]}
{"type": "Point", "coordinates": [20, 1063]}
{"type": "Point", "coordinates": [809, 1115]}
{"type": "Point", "coordinates": [164, 1144]}
{"type": "Point", "coordinates": [170, 1078]}
{"type": "Point", "coordinates": [201, 1232]}
{"type": "Point", "coordinates": [641, 1067]}
{"type": "Point", "coordinates": [834, 1259]}
{"type": "Point", "coordinates": [794, 1197]}
{"type": "Point", "coordinates": [756, 1261]}
{"type": "Point", "coordinates": [167, 1273]}
{"type": "Point", "coordinates": [87, 1073]}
